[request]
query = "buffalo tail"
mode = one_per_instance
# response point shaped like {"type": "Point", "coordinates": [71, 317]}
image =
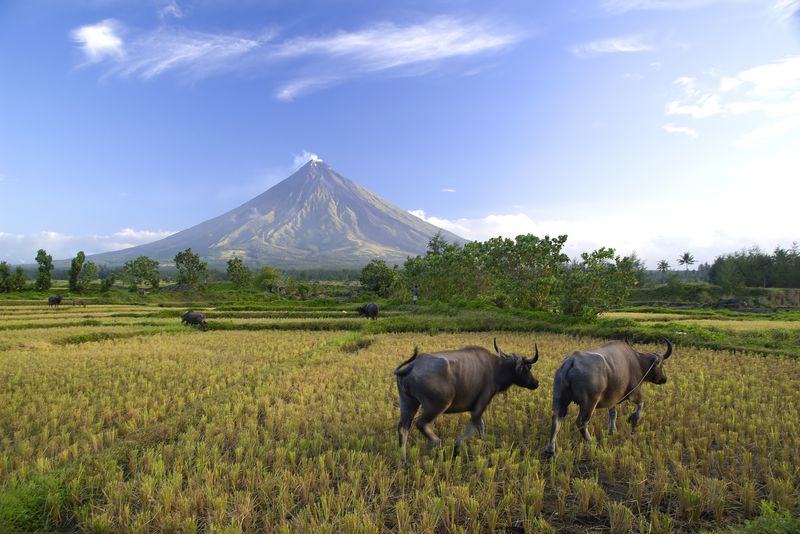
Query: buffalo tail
{"type": "Point", "coordinates": [403, 369]}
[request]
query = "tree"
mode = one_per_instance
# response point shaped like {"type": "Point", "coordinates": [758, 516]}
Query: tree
{"type": "Point", "coordinates": [436, 245]}
{"type": "Point", "coordinates": [75, 270]}
{"type": "Point", "coordinates": [107, 283]}
{"type": "Point", "coordinates": [597, 283]}
{"type": "Point", "coordinates": [377, 277]}
{"type": "Point", "coordinates": [5, 277]}
{"type": "Point", "coordinates": [238, 273]}
{"type": "Point", "coordinates": [18, 280]}
{"type": "Point", "coordinates": [686, 259]}
{"type": "Point", "coordinates": [191, 271]}
{"type": "Point", "coordinates": [142, 269]}
{"type": "Point", "coordinates": [663, 268]}
{"type": "Point", "coordinates": [266, 279]}
{"type": "Point", "coordinates": [88, 275]}
{"type": "Point", "coordinates": [45, 261]}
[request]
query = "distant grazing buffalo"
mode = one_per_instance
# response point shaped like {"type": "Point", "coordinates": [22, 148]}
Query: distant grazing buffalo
{"type": "Point", "coordinates": [53, 301]}
{"type": "Point", "coordinates": [456, 381]}
{"type": "Point", "coordinates": [78, 302]}
{"type": "Point", "coordinates": [369, 310]}
{"type": "Point", "coordinates": [602, 378]}
{"type": "Point", "coordinates": [193, 317]}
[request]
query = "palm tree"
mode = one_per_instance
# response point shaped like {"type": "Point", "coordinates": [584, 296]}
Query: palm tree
{"type": "Point", "coordinates": [686, 259]}
{"type": "Point", "coordinates": [663, 267]}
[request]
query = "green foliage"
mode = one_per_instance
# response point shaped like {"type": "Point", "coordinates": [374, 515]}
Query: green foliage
{"type": "Point", "coordinates": [754, 268]}
{"type": "Point", "coordinates": [377, 277]}
{"type": "Point", "coordinates": [88, 275]}
{"type": "Point", "coordinates": [771, 520]}
{"type": "Point", "coordinates": [28, 506]}
{"type": "Point", "coordinates": [267, 279]}
{"type": "Point", "coordinates": [45, 261]}
{"type": "Point", "coordinates": [75, 270]}
{"type": "Point", "coordinates": [142, 269]}
{"type": "Point", "coordinates": [597, 283]}
{"type": "Point", "coordinates": [238, 273]}
{"type": "Point", "coordinates": [191, 271]}
{"type": "Point", "coordinates": [18, 279]}
{"type": "Point", "coordinates": [107, 283]}
{"type": "Point", "coordinates": [5, 277]}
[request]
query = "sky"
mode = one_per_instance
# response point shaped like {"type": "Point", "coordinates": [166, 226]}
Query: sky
{"type": "Point", "coordinates": [651, 126]}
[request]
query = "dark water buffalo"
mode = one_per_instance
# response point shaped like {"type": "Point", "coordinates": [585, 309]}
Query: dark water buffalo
{"type": "Point", "coordinates": [53, 301]}
{"type": "Point", "coordinates": [369, 310]}
{"type": "Point", "coordinates": [602, 378]}
{"type": "Point", "coordinates": [193, 317]}
{"type": "Point", "coordinates": [456, 381]}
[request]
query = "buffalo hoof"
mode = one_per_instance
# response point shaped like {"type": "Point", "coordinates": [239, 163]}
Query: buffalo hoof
{"type": "Point", "coordinates": [549, 453]}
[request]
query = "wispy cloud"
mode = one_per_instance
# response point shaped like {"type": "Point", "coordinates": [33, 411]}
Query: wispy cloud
{"type": "Point", "coordinates": [786, 9]}
{"type": "Point", "coordinates": [771, 91]}
{"type": "Point", "coordinates": [298, 160]}
{"type": "Point", "coordinates": [448, 190]}
{"type": "Point", "coordinates": [613, 45]}
{"type": "Point", "coordinates": [169, 8]}
{"type": "Point", "coordinates": [623, 6]}
{"type": "Point", "coordinates": [21, 248]}
{"type": "Point", "coordinates": [411, 50]}
{"type": "Point", "coordinates": [684, 130]}
{"type": "Point", "coordinates": [100, 41]}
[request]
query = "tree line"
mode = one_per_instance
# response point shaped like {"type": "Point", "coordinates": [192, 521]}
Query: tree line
{"type": "Point", "coordinates": [526, 272]}
{"type": "Point", "coordinates": [755, 268]}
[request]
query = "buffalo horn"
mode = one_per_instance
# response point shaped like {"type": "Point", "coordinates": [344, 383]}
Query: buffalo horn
{"type": "Point", "coordinates": [531, 361]}
{"type": "Point", "coordinates": [669, 350]}
{"type": "Point", "coordinates": [497, 349]}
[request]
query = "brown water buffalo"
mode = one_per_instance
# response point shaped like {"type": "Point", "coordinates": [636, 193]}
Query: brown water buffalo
{"type": "Point", "coordinates": [193, 317]}
{"type": "Point", "coordinates": [78, 302]}
{"type": "Point", "coordinates": [602, 378]}
{"type": "Point", "coordinates": [455, 381]}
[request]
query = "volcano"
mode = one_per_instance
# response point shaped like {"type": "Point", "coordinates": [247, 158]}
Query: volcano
{"type": "Point", "coordinates": [315, 218]}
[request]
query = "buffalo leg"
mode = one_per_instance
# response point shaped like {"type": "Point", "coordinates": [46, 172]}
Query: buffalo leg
{"type": "Point", "coordinates": [482, 429]}
{"type": "Point", "coordinates": [559, 413]}
{"type": "Point", "coordinates": [425, 420]}
{"type": "Point", "coordinates": [408, 409]}
{"type": "Point", "coordinates": [587, 409]}
{"type": "Point", "coordinates": [633, 418]}
{"type": "Point", "coordinates": [612, 421]}
{"type": "Point", "coordinates": [475, 425]}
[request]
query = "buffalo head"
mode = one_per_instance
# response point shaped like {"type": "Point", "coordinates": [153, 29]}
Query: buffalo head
{"type": "Point", "coordinates": [521, 366]}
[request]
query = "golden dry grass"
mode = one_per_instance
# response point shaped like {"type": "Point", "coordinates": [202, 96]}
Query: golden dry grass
{"type": "Point", "coordinates": [282, 431]}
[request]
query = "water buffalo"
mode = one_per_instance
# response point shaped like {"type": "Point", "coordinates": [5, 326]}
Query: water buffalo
{"type": "Point", "coordinates": [602, 378]}
{"type": "Point", "coordinates": [78, 302]}
{"type": "Point", "coordinates": [456, 381]}
{"type": "Point", "coordinates": [193, 317]}
{"type": "Point", "coordinates": [54, 301]}
{"type": "Point", "coordinates": [369, 310]}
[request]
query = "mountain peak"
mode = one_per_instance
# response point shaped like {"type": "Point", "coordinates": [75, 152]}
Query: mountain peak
{"type": "Point", "coordinates": [314, 218]}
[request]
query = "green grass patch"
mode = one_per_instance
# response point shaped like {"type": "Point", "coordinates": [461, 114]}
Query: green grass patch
{"type": "Point", "coordinates": [33, 504]}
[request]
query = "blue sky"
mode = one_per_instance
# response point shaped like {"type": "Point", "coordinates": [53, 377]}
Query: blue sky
{"type": "Point", "coordinates": [655, 126]}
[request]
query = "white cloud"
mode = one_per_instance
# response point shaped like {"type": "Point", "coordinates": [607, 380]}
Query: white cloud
{"type": "Point", "coordinates": [100, 41]}
{"type": "Point", "coordinates": [623, 6]}
{"type": "Point", "coordinates": [169, 8]}
{"type": "Point", "coordinates": [770, 92]}
{"type": "Point", "coordinates": [786, 9]}
{"type": "Point", "coordinates": [411, 50]}
{"type": "Point", "coordinates": [448, 190]}
{"type": "Point", "coordinates": [613, 45]}
{"type": "Point", "coordinates": [21, 248]}
{"type": "Point", "coordinates": [671, 128]}
{"type": "Point", "coordinates": [301, 159]}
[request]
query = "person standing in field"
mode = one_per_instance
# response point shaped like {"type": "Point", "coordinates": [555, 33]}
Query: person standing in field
{"type": "Point", "coordinates": [414, 293]}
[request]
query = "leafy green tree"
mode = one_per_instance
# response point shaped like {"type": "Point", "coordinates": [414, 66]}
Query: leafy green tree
{"type": "Point", "coordinates": [142, 269]}
{"type": "Point", "coordinates": [45, 261]}
{"type": "Point", "coordinates": [107, 283]}
{"type": "Point", "coordinates": [267, 279]}
{"type": "Point", "coordinates": [75, 270]}
{"type": "Point", "coordinates": [600, 281]}
{"type": "Point", "coordinates": [436, 245]}
{"type": "Point", "coordinates": [5, 277]}
{"type": "Point", "coordinates": [377, 277]}
{"type": "Point", "coordinates": [18, 279]}
{"type": "Point", "coordinates": [238, 273]}
{"type": "Point", "coordinates": [87, 275]}
{"type": "Point", "coordinates": [191, 271]}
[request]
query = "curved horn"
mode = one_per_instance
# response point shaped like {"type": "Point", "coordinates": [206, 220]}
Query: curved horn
{"type": "Point", "coordinates": [669, 349]}
{"type": "Point", "coordinates": [496, 348]}
{"type": "Point", "coordinates": [531, 361]}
